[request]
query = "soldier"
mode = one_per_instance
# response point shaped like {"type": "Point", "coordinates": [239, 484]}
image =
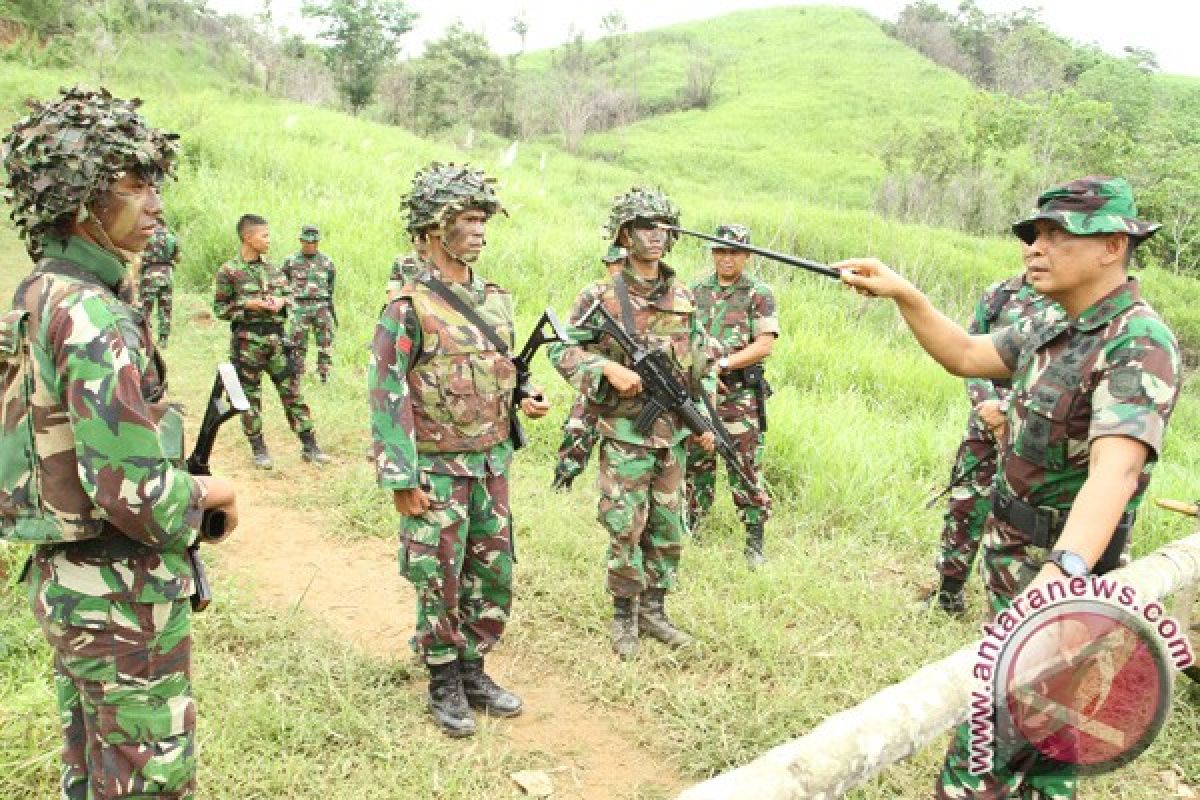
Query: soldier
{"type": "Point", "coordinates": [156, 279]}
{"type": "Point", "coordinates": [441, 390]}
{"type": "Point", "coordinates": [311, 274]}
{"type": "Point", "coordinates": [405, 268]}
{"type": "Point", "coordinates": [1001, 306]}
{"type": "Point", "coordinates": [254, 295]}
{"type": "Point", "coordinates": [738, 311]}
{"type": "Point", "coordinates": [1092, 391]}
{"type": "Point", "coordinates": [579, 430]}
{"type": "Point", "coordinates": [112, 513]}
{"type": "Point", "coordinates": [640, 475]}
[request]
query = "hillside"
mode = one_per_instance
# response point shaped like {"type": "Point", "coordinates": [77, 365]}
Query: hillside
{"type": "Point", "coordinates": [862, 424]}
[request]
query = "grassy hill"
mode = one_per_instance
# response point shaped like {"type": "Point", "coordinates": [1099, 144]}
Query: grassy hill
{"type": "Point", "coordinates": [862, 424]}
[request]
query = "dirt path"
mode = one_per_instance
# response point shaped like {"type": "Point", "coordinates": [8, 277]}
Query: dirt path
{"type": "Point", "coordinates": [356, 590]}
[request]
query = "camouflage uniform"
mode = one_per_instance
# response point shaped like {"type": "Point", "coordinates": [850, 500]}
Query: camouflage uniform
{"type": "Point", "coordinates": [1002, 305]}
{"type": "Point", "coordinates": [312, 280]}
{"type": "Point", "coordinates": [259, 341]}
{"type": "Point", "coordinates": [734, 316]}
{"type": "Point", "coordinates": [155, 279]}
{"type": "Point", "coordinates": [113, 605]}
{"type": "Point", "coordinates": [404, 269]}
{"type": "Point", "coordinates": [1113, 371]}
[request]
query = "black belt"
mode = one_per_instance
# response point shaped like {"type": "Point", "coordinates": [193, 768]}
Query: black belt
{"type": "Point", "coordinates": [264, 327]}
{"type": "Point", "coordinates": [1041, 524]}
{"type": "Point", "coordinates": [111, 546]}
{"type": "Point", "coordinates": [311, 299]}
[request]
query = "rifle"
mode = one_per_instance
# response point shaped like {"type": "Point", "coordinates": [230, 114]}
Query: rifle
{"type": "Point", "coordinates": [794, 261]}
{"type": "Point", "coordinates": [956, 478]}
{"type": "Point", "coordinates": [664, 392]}
{"type": "Point", "coordinates": [226, 401]}
{"type": "Point", "coordinates": [522, 362]}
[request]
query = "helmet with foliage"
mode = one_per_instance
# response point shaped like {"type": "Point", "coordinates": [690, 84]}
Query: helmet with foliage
{"type": "Point", "coordinates": [644, 203]}
{"type": "Point", "coordinates": [440, 191]}
{"type": "Point", "coordinates": [69, 151]}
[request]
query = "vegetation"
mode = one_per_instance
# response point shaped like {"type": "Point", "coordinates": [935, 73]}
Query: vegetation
{"type": "Point", "coordinates": [862, 426]}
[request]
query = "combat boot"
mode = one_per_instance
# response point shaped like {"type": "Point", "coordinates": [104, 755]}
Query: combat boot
{"type": "Point", "coordinates": [162, 342]}
{"type": "Point", "coordinates": [625, 627]}
{"type": "Point", "coordinates": [653, 621]}
{"type": "Point", "coordinates": [562, 480]}
{"type": "Point", "coordinates": [950, 596]}
{"type": "Point", "coordinates": [309, 450]}
{"type": "Point", "coordinates": [484, 694]}
{"type": "Point", "coordinates": [262, 459]}
{"type": "Point", "coordinates": [448, 702]}
{"type": "Point", "coordinates": [754, 546]}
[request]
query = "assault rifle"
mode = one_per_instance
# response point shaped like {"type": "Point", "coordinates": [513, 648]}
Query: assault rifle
{"type": "Point", "coordinates": [226, 401]}
{"type": "Point", "coordinates": [522, 362]}
{"type": "Point", "coordinates": [794, 261]}
{"type": "Point", "coordinates": [663, 390]}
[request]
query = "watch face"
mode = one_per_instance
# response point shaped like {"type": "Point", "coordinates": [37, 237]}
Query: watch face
{"type": "Point", "coordinates": [1072, 564]}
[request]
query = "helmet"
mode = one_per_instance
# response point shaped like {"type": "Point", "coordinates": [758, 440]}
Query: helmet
{"type": "Point", "coordinates": [69, 151]}
{"type": "Point", "coordinates": [641, 202]}
{"type": "Point", "coordinates": [439, 191]}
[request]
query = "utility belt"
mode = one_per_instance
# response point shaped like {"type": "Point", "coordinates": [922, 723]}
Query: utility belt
{"type": "Point", "coordinates": [310, 300]}
{"type": "Point", "coordinates": [1044, 525]}
{"type": "Point", "coordinates": [111, 546]}
{"type": "Point", "coordinates": [264, 327]}
{"type": "Point", "coordinates": [750, 377]}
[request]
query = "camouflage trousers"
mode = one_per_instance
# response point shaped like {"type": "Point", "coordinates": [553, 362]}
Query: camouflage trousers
{"type": "Point", "coordinates": [458, 557]}
{"type": "Point", "coordinates": [154, 289]}
{"type": "Point", "coordinates": [969, 505]}
{"type": "Point", "coordinates": [641, 507]}
{"type": "Point", "coordinates": [1010, 563]}
{"type": "Point", "coordinates": [122, 675]}
{"type": "Point", "coordinates": [752, 502]}
{"type": "Point", "coordinates": [256, 353]}
{"type": "Point", "coordinates": [317, 318]}
{"type": "Point", "coordinates": [579, 439]}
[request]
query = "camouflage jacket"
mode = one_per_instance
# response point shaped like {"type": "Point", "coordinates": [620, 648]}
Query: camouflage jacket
{"type": "Point", "coordinates": [735, 315]}
{"type": "Point", "coordinates": [1114, 371]}
{"type": "Point", "coordinates": [239, 280]}
{"type": "Point", "coordinates": [404, 269]}
{"type": "Point", "coordinates": [438, 391]}
{"type": "Point", "coordinates": [163, 248]}
{"type": "Point", "coordinates": [311, 277]}
{"type": "Point", "coordinates": [665, 319]}
{"type": "Point", "coordinates": [94, 361]}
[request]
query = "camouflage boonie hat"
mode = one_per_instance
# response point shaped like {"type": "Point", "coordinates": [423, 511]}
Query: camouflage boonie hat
{"type": "Point", "coordinates": [69, 151]}
{"type": "Point", "coordinates": [440, 191]}
{"type": "Point", "coordinates": [310, 233]}
{"type": "Point", "coordinates": [733, 232]}
{"type": "Point", "coordinates": [646, 204]}
{"type": "Point", "coordinates": [1087, 206]}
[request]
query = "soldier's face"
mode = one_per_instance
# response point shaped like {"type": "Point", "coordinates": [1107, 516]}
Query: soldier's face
{"type": "Point", "coordinates": [463, 237]}
{"type": "Point", "coordinates": [1058, 262]}
{"type": "Point", "coordinates": [309, 248]}
{"type": "Point", "coordinates": [729, 262]}
{"type": "Point", "coordinates": [258, 238]}
{"type": "Point", "coordinates": [644, 240]}
{"type": "Point", "coordinates": [129, 212]}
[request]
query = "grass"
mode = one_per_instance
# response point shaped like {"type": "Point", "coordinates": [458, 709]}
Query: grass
{"type": "Point", "coordinates": [862, 426]}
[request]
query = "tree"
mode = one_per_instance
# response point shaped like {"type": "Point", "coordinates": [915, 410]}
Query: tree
{"type": "Point", "coordinates": [364, 37]}
{"type": "Point", "coordinates": [460, 80]}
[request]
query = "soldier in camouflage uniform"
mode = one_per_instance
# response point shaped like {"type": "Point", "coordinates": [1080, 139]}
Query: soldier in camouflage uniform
{"type": "Point", "coordinates": [1002, 305]}
{"type": "Point", "coordinates": [440, 393]}
{"type": "Point", "coordinates": [1092, 391]}
{"type": "Point", "coordinates": [312, 275]}
{"type": "Point", "coordinates": [640, 475]}
{"type": "Point", "coordinates": [738, 311]}
{"type": "Point", "coordinates": [256, 297]}
{"type": "Point", "coordinates": [156, 279]}
{"type": "Point", "coordinates": [111, 592]}
{"type": "Point", "coordinates": [579, 430]}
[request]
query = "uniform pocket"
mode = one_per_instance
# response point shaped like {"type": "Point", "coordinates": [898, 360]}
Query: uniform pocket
{"type": "Point", "coordinates": [1041, 436]}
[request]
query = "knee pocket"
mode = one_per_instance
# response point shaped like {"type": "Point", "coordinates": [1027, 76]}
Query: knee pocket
{"type": "Point", "coordinates": [148, 745]}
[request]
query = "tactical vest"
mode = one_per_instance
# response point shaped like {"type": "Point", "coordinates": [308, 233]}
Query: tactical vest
{"type": "Point", "coordinates": [42, 500]}
{"type": "Point", "coordinates": [461, 386]}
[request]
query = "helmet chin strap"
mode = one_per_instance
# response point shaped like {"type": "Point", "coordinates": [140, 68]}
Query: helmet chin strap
{"type": "Point", "coordinates": [95, 230]}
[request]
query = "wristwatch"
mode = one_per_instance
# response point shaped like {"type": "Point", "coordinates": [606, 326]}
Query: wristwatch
{"type": "Point", "coordinates": [1070, 562]}
{"type": "Point", "coordinates": [723, 363]}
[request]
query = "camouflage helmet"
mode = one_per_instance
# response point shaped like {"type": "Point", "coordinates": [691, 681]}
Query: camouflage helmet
{"type": "Point", "coordinates": [69, 151]}
{"type": "Point", "coordinates": [732, 232]}
{"type": "Point", "coordinates": [310, 233]}
{"type": "Point", "coordinates": [439, 191]}
{"type": "Point", "coordinates": [1088, 206]}
{"type": "Point", "coordinates": [641, 202]}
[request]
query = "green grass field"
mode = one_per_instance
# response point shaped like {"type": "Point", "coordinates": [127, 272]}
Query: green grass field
{"type": "Point", "coordinates": [862, 426]}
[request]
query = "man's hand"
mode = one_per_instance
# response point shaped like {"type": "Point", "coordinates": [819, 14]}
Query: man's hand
{"type": "Point", "coordinates": [221, 495]}
{"type": "Point", "coordinates": [535, 405]}
{"type": "Point", "coordinates": [266, 304]}
{"type": "Point", "coordinates": [872, 278]}
{"type": "Point", "coordinates": [706, 442]}
{"type": "Point", "coordinates": [990, 411]}
{"type": "Point", "coordinates": [411, 502]}
{"type": "Point", "coordinates": [625, 381]}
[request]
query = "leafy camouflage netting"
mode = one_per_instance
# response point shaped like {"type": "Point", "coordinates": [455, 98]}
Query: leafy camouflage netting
{"type": "Point", "coordinates": [442, 190]}
{"type": "Point", "coordinates": [642, 202]}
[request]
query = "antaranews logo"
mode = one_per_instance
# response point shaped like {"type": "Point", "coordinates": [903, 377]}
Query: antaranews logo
{"type": "Point", "coordinates": [1075, 676]}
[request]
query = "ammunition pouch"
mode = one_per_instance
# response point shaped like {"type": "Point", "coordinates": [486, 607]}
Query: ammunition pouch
{"type": "Point", "coordinates": [1044, 525]}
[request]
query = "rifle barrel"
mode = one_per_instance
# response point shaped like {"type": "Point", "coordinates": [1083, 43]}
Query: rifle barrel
{"type": "Point", "coordinates": [794, 261]}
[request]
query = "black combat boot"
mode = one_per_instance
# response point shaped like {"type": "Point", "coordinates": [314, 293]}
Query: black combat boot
{"type": "Point", "coordinates": [653, 621]}
{"type": "Point", "coordinates": [309, 450]}
{"type": "Point", "coordinates": [448, 702]}
{"type": "Point", "coordinates": [484, 694]}
{"type": "Point", "coordinates": [562, 479]}
{"type": "Point", "coordinates": [950, 597]}
{"type": "Point", "coordinates": [625, 627]}
{"type": "Point", "coordinates": [162, 342]}
{"type": "Point", "coordinates": [262, 459]}
{"type": "Point", "coordinates": [754, 545]}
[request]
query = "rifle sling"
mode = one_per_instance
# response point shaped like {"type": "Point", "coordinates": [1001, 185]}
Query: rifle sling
{"type": "Point", "coordinates": [622, 293]}
{"type": "Point", "coordinates": [446, 293]}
